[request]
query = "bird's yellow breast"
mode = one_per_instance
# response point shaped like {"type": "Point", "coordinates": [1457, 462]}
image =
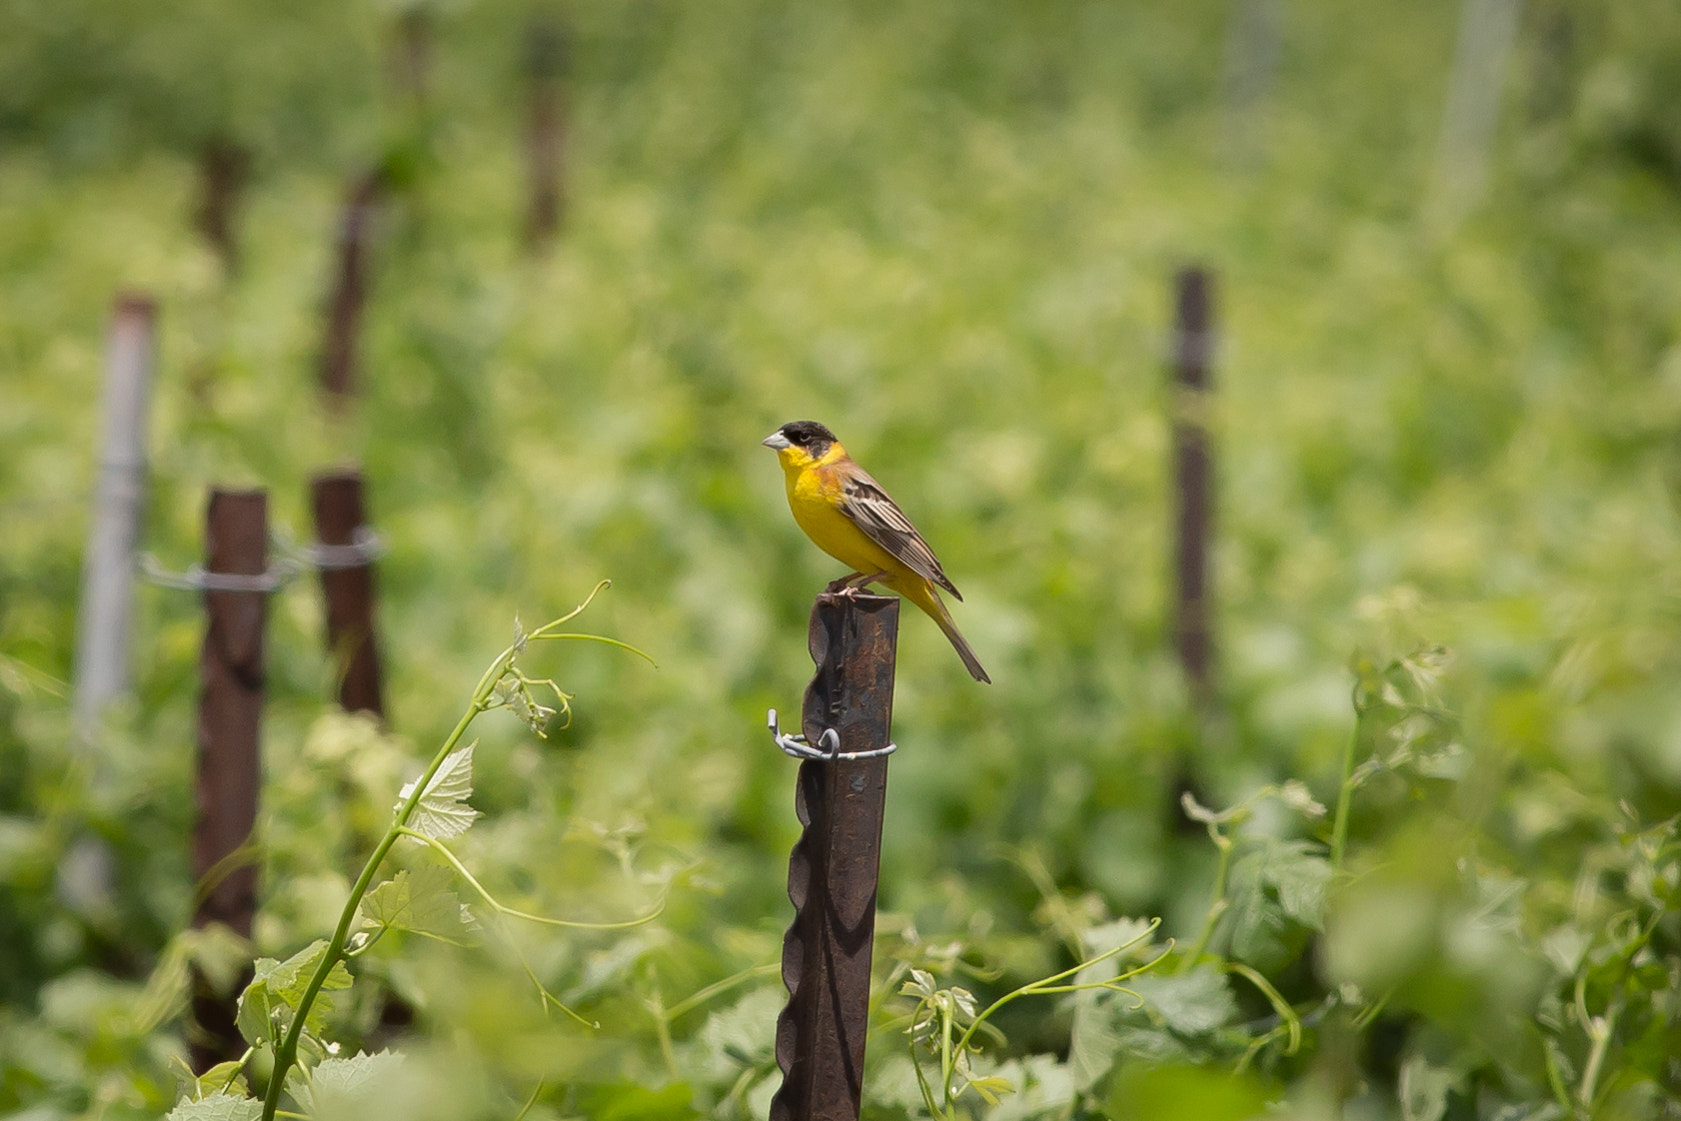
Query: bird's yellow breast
{"type": "Point", "coordinates": [815, 496]}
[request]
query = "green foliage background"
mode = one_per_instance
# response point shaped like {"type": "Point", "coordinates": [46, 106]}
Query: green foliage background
{"type": "Point", "coordinates": [946, 230]}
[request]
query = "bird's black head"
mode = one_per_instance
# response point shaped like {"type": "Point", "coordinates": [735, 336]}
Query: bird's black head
{"type": "Point", "coordinates": [806, 436]}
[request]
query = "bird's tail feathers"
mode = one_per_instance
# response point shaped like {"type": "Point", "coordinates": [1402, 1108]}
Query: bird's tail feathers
{"type": "Point", "coordinates": [924, 596]}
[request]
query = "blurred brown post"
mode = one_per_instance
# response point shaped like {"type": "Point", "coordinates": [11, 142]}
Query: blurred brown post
{"type": "Point", "coordinates": [547, 63]}
{"type": "Point", "coordinates": [339, 351]}
{"type": "Point", "coordinates": [231, 677]}
{"type": "Point", "coordinates": [1193, 472]}
{"type": "Point", "coordinates": [349, 591]}
{"type": "Point", "coordinates": [412, 58]}
{"type": "Point", "coordinates": [833, 869]}
{"type": "Point", "coordinates": [224, 168]}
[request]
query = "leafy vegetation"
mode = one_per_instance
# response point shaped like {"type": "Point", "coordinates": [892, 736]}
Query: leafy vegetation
{"type": "Point", "coordinates": [1418, 860]}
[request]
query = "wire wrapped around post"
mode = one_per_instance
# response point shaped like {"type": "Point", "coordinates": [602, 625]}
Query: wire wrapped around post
{"type": "Point", "coordinates": [832, 872]}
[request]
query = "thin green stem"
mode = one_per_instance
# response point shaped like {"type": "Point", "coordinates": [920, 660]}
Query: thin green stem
{"type": "Point", "coordinates": [1048, 985]}
{"type": "Point", "coordinates": [372, 940]}
{"type": "Point", "coordinates": [605, 641]}
{"type": "Point", "coordinates": [712, 990]}
{"type": "Point", "coordinates": [1555, 1078]}
{"type": "Point", "coordinates": [1292, 1023]}
{"type": "Point", "coordinates": [662, 1032]}
{"type": "Point", "coordinates": [531, 1101]}
{"type": "Point", "coordinates": [1345, 795]}
{"type": "Point", "coordinates": [1217, 905]}
{"type": "Point", "coordinates": [1600, 1030]}
{"type": "Point", "coordinates": [544, 995]}
{"type": "Point", "coordinates": [922, 1084]}
{"type": "Point", "coordinates": [946, 1064]}
{"type": "Point", "coordinates": [514, 912]}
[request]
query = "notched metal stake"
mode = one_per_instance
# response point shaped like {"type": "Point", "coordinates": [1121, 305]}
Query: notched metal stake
{"type": "Point", "coordinates": [832, 872]}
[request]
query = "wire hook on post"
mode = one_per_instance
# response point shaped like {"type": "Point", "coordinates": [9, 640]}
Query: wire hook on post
{"type": "Point", "coordinates": [828, 745]}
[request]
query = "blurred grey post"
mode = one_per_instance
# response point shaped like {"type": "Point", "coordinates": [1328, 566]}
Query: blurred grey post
{"type": "Point", "coordinates": [107, 606]}
{"type": "Point", "coordinates": [411, 61]}
{"type": "Point", "coordinates": [1459, 174]}
{"type": "Point", "coordinates": [1254, 42]}
{"type": "Point", "coordinates": [1555, 54]}
{"type": "Point", "coordinates": [1193, 354]}
{"type": "Point", "coordinates": [231, 682]}
{"type": "Point", "coordinates": [548, 56]}
{"type": "Point", "coordinates": [833, 870]}
{"type": "Point", "coordinates": [348, 587]}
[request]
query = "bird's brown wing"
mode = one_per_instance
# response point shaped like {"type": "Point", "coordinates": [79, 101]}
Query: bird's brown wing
{"type": "Point", "coordinates": [863, 500]}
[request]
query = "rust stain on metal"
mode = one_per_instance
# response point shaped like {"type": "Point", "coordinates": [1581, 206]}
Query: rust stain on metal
{"type": "Point", "coordinates": [832, 871]}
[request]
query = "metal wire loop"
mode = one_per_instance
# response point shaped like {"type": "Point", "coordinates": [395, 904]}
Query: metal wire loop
{"type": "Point", "coordinates": [366, 546]}
{"type": "Point", "coordinates": [828, 745]}
{"type": "Point", "coordinates": [196, 579]}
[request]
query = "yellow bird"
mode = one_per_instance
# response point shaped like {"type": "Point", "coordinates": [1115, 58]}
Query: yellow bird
{"type": "Point", "coordinates": [849, 516]}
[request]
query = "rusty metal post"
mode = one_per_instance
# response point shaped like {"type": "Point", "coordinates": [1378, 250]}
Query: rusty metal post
{"type": "Point", "coordinates": [107, 604]}
{"type": "Point", "coordinates": [231, 673]}
{"type": "Point", "coordinates": [1193, 471]}
{"type": "Point", "coordinates": [833, 868]}
{"type": "Point", "coordinates": [547, 64]}
{"type": "Point", "coordinates": [349, 591]}
{"type": "Point", "coordinates": [339, 351]}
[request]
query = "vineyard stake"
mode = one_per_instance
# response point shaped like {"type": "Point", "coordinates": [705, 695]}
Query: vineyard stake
{"type": "Point", "coordinates": [1488, 30]}
{"type": "Point", "coordinates": [1193, 471]}
{"type": "Point", "coordinates": [1254, 42]}
{"type": "Point", "coordinates": [224, 168]}
{"type": "Point", "coordinates": [348, 587]}
{"type": "Point", "coordinates": [833, 868]}
{"type": "Point", "coordinates": [107, 603]}
{"type": "Point", "coordinates": [547, 65]}
{"type": "Point", "coordinates": [231, 677]}
{"type": "Point", "coordinates": [338, 370]}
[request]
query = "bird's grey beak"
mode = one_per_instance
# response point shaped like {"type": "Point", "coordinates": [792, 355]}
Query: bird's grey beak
{"type": "Point", "coordinates": [776, 440]}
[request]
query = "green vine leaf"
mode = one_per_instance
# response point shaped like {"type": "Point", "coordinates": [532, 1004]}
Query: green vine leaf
{"type": "Point", "coordinates": [1274, 885]}
{"type": "Point", "coordinates": [1191, 1003]}
{"type": "Point", "coordinates": [222, 1078]}
{"type": "Point", "coordinates": [276, 988]}
{"type": "Point", "coordinates": [442, 811]}
{"type": "Point", "coordinates": [992, 1088]}
{"type": "Point", "coordinates": [420, 901]}
{"type": "Point", "coordinates": [217, 1107]}
{"type": "Point", "coordinates": [350, 1088]}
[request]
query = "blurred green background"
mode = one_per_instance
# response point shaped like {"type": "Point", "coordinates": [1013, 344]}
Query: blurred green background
{"type": "Point", "coordinates": [1446, 414]}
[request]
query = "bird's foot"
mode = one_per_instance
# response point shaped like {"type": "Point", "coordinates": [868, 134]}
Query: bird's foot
{"type": "Point", "coordinates": [855, 585]}
{"type": "Point", "coordinates": [835, 587]}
